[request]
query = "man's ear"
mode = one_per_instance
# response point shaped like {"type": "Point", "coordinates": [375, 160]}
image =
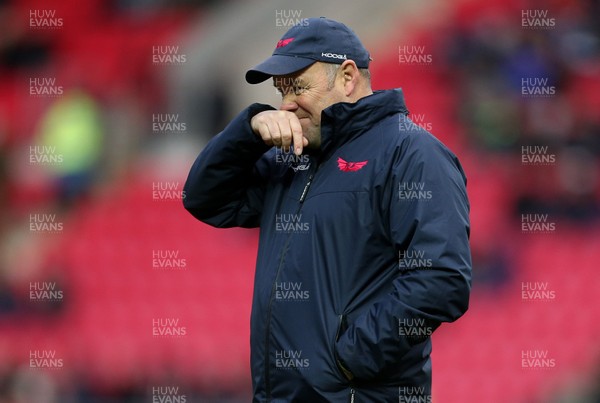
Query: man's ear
{"type": "Point", "coordinates": [350, 75]}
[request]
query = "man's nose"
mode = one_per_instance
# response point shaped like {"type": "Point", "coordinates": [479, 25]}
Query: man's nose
{"type": "Point", "coordinates": [288, 103]}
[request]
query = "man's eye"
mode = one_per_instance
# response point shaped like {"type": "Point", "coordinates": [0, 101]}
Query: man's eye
{"type": "Point", "coordinates": [296, 90]}
{"type": "Point", "coordinates": [299, 90]}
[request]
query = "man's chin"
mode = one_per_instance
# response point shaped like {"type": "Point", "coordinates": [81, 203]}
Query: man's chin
{"type": "Point", "coordinates": [312, 146]}
{"type": "Point", "coordinates": [314, 139]}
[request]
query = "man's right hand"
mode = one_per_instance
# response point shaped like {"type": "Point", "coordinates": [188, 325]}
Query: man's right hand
{"type": "Point", "coordinates": [279, 128]}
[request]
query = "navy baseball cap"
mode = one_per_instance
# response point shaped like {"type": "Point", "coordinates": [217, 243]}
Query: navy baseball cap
{"type": "Point", "coordinates": [310, 41]}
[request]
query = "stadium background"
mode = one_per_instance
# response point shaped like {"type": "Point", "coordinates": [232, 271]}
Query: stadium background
{"type": "Point", "coordinates": [111, 292]}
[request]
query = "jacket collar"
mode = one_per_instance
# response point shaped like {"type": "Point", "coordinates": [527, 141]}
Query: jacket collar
{"type": "Point", "coordinates": [342, 121]}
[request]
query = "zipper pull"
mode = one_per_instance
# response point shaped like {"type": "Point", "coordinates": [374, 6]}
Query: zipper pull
{"type": "Point", "coordinates": [306, 188]}
{"type": "Point", "coordinates": [351, 395]}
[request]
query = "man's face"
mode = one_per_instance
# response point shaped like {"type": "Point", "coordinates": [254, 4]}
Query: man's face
{"type": "Point", "coordinates": [306, 93]}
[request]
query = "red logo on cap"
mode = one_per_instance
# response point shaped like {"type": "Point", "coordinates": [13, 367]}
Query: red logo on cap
{"type": "Point", "coordinates": [284, 42]}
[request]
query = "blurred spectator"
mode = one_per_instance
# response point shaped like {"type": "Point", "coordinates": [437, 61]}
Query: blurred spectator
{"type": "Point", "coordinates": [73, 128]}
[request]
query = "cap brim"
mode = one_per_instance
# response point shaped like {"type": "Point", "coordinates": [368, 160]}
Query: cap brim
{"type": "Point", "coordinates": [277, 65]}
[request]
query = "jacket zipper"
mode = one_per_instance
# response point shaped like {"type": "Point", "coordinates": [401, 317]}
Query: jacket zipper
{"type": "Point", "coordinates": [337, 336]}
{"type": "Point", "coordinates": [269, 308]}
{"type": "Point", "coordinates": [305, 191]}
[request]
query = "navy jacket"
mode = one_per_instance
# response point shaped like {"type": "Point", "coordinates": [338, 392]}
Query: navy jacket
{"type": "Point", "coordinates": [363, 250]}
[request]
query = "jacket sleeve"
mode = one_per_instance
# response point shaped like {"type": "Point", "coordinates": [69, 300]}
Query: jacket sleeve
{"type": "Point", "coordinates": [225, 186]}
{"type": "Point", "coordinates": [429, 226]}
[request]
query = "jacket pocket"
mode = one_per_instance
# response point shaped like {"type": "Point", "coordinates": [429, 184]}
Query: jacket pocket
{"type": "Point", "coordinates": [341, 328]}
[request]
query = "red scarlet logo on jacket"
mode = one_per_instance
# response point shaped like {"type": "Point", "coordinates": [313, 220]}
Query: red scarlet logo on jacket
{"type": "Point", "coordinates": [346, 166]}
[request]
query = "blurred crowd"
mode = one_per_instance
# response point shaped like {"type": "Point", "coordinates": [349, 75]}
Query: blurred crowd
{"type": "Point", "coordinates": [528, 79]}
{"type": "Point", "coordinates": [527, 100]}
{"type": "Point", "coordinates": [77, 93]}
{"type": "Point", "coordinates": [530, 95]}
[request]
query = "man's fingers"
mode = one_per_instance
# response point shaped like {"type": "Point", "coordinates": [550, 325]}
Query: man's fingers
{"type": "Point", "coordinates": [281, 129]}
{"type": "Point", "coordinates": [273, 131]}
{"type": "Point", "coordinates": [266, 128]}
{"type": "Point", "coordinates": [286, 133]}
{"type": "Point", "coordinates": [260, 128]}
{"type": "Point", "coordinates": [263, 132]}
{"type": "Point", "coordinates": [297, 136]}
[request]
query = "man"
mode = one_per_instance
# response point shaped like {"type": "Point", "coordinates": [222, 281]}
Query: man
{"type": "Point", "coordinates": [364, 226]}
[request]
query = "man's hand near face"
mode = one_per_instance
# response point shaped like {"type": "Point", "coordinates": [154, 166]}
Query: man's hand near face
{"type": "Point", "coordinates": [279, 128]}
